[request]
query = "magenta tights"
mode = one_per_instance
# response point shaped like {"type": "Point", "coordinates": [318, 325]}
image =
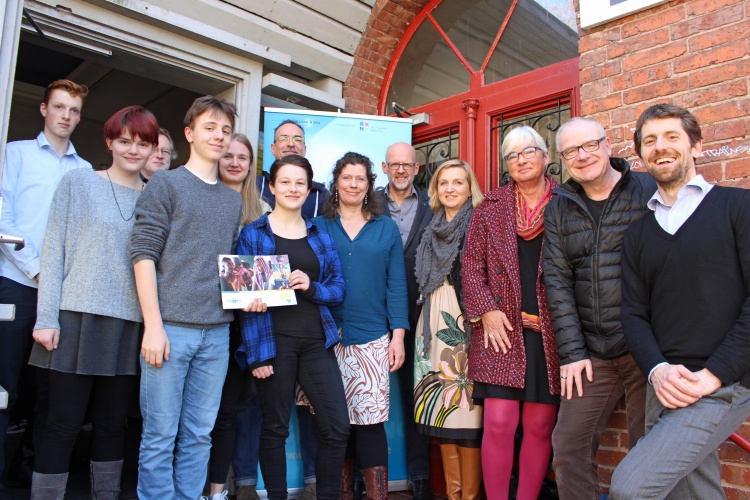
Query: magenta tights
{"type": "Point", "coordinates": [501, 417]}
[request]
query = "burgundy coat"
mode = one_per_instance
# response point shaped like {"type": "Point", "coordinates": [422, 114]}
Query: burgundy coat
{"type": "Point", "coordinates": [492, 281]}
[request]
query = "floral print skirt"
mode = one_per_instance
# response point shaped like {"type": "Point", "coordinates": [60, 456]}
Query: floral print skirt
{"type": "Point", "coordinates": [443, 403]}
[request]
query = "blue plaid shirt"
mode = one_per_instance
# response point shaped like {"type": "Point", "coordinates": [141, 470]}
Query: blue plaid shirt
{"type": "Point", "coordinates": [258, 342]}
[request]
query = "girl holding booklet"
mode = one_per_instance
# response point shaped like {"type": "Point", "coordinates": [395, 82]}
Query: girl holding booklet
{"type": "Point", "coordinates": [292, 344]}
{"type": "Point", "coordinates": [88, 324]}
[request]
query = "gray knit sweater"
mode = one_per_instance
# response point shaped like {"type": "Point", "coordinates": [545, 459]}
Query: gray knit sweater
{"type": "Point", "coordinates": [84, 263]}
{"type": "Point", "coordinates": [182, 224]}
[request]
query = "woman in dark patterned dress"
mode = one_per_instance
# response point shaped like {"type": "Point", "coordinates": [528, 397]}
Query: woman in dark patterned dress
{"type": "Point", "coordinates": [514, 362]}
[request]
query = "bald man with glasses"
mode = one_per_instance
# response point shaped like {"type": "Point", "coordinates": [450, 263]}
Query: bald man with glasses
{"type": "Point", "coordinates": [409, 208]}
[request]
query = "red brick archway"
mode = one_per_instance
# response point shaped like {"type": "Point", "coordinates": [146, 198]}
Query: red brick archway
{"type": "Point", "coordinates": [386, 26]}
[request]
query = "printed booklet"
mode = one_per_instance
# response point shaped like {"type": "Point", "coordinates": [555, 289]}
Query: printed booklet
{"type": "Point", "coordinates": [244, 278]}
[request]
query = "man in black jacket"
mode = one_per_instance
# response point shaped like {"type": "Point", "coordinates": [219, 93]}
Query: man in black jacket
{"type": "Point", "coordinates": [584, 225]}
{"type": "Point", "coordinates": [410, 210]}
{"type": "Point", "coordinates": [686, 315]}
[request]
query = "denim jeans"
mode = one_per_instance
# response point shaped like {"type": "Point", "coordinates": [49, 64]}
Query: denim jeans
{"type": "Point", "coordinates": [308, 442]}
{"type": "Point", "coordinates": [247, 442]}
{"type": "Point", "coordinates": [308, 362]}
{"type": "Point", "coordinates": [179, 403]}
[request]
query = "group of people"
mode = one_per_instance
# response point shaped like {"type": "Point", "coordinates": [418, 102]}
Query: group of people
{"type": "Point", "coordinates": [531, 309]}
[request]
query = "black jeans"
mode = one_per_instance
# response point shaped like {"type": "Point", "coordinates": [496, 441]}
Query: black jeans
{"type": "Point", "coordinates": [69, 396]}
{"type": "Point", "coordinates": [314, 367]}
{"type": "Point", "coordinates": [238, 387]}
{"type": "Point", "coordinates": [15, 347]}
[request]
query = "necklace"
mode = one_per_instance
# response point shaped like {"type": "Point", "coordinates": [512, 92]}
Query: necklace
{"type": "Point", "coordinates": [115, 197]}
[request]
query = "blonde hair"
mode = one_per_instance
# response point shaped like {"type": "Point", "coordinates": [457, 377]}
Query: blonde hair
{"type": "Point", "coordinates": [252, 207]}
{"type": "Point", "coordinates": [474, 191]}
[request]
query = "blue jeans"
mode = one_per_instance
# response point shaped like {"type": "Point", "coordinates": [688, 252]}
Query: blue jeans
{"type": "Point", "coordinates": [179, 403]}
{"type": "Point", "coordinates": [247, 443]}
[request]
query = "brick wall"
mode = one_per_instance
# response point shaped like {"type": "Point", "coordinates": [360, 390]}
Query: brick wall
{"type": "Point", "coordinates": [386, 26]}
{"type": "Point", "coordinates": [693, 53]}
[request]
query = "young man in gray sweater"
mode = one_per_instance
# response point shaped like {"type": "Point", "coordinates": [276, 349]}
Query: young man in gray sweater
{"type": "Point", "coordinates": [184, 219]}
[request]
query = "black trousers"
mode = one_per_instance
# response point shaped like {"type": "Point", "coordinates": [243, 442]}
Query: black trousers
{"type": "Point", "coordinates": [69, 396]}
{"type": "Point", "coordinates": [314, 367]}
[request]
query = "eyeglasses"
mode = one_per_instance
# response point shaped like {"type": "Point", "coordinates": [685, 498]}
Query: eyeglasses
{"type": "Point", "coordinates": [395, 166]}
{"type": "Point", "coordinates": [589, 147]}
{"type": "Point", "coordinates": [526, 152]}
{"type": "Point", "coordinates": [164, 152]}
{"type": "Point", "coordinates": [285, 138]}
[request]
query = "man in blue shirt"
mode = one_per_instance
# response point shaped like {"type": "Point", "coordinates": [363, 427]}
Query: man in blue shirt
{"type": "Point", "coordinates": [32, 171]}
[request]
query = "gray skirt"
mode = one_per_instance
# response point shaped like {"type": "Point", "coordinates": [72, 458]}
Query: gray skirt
{"type": "Point", "coordinates": [92, 345]}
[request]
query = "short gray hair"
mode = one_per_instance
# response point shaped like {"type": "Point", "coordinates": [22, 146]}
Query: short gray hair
{"type": "Point", "coordinates": [522, 136]}
{"type": "Point", "coordinates": [575, 121]}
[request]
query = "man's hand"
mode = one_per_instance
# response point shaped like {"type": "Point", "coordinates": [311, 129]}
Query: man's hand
{"type": "Point", "coordinates": [495, 324]}
{"type": "Point", "coordinates": [263, 372]}
{"type": "Point", "coordinates": [257, 306]}
{"type": "Point", "coordinates": [155, 346]}
{"type": "Point", "coordinates": [708, 383]}
{"type": "Point", "coordinates": [571, 376]}
{"type": "Point", "coordinates": [677, 387]}
{"type": "Point", "coordinates": [396, 353]}
{"type": "Point", "coordinates": [48, 337]}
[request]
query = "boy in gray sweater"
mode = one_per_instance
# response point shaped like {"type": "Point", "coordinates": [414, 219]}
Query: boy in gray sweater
{"type": "Point", "coordinates": [184, 219]}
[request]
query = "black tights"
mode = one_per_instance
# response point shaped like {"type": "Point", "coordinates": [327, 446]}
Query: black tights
{"type": "Point", "coordinates": [69, 396]}
{"type": "Point", "coordinates": [368, 446]}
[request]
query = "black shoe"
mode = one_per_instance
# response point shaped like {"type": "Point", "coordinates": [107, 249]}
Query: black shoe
{"type": "Point", "coordinates": [420, 488]}
{"type": "Point", "coordinates": [359, 488]}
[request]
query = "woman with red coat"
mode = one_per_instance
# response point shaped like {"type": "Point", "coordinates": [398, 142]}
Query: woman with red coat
{"type": "Point", "coordinates": [513, 354]}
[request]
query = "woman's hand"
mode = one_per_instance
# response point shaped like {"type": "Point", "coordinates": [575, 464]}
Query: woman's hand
{"type": "Point", "coordinates": [299, 280]}
{"type": "Point", "coordinates": [263, 372]}
{"type": "Point", "coordinates": [155, 346]}
{"type": "Point", "coordinates": [256, 306]}
{"type": "Point", "coordinates": [495, 325]}
{"type": "Point", "coordinates": [48, 337]}
{"type": "Point", "coordinates": [396, 353]}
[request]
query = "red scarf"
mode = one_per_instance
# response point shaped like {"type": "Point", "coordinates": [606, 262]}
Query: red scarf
{"type": "Point", "coordinates": [530, 220]}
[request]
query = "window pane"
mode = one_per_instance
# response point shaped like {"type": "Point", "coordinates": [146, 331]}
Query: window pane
{"type": "Point", "coordinates": [427, 71]}
{"type": "Point", "coordinates": [536, 36]}
{"type": "Point", "coordinates": [432, 152]}
{"type": "Point", "coordinates": [472, 25]}
{"type": "Point", "coordinates": [545, 121]}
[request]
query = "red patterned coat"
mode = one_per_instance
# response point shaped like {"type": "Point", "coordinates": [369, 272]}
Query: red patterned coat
{"type": "Point", "coordinates": [492, 281]}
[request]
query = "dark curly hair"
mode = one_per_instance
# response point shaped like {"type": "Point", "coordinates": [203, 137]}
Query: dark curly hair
{"type": "Point", "coordinates": [371, 205]}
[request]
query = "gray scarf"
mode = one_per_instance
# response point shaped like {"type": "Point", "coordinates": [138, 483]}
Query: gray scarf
{"type": "Point", "coordinates": [436, 253]}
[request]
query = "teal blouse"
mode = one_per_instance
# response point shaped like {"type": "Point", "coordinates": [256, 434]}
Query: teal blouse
{"type": "Point", "coordinates": [373, 268]}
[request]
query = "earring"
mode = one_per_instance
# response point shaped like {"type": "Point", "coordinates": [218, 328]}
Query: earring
{"type": "Point", "coordinates": [365, 198]}
{"type": "Point", "coordinates": [336, 197]}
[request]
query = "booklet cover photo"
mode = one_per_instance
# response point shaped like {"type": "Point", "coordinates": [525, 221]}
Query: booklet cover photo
{"type": "Point", "coordinates": [244, 278]}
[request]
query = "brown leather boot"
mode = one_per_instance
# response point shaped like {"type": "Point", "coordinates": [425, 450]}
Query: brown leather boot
{"type": "Point", "coordinates": [471, 472]}
{"type": "Point", "coordinates": [452, 470]}
{"type": "Point", "coordinates": [346, 491]}
{"type": "Point", "coordinates": [376, 482]}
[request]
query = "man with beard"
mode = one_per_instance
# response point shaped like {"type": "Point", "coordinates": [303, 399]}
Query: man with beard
{"type": "Point", "coordinates": [686, 315]}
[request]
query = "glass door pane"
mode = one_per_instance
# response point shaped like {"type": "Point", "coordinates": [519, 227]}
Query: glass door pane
{"type": "Point", "coordinates": [433, 151]}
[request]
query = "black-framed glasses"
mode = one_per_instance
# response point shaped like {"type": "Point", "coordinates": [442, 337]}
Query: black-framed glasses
{"type": "Point", "coordinates": [285, 138]}
{"type": "Point", "coordinates": [527, 153]}
{"type": "Point", "coordinates": [395, 166]}
{"type": "Point", "coordinates": [589, 147]}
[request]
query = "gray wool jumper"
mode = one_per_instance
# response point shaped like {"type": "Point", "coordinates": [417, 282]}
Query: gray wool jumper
{"type": "Point", "coordinates": [182, 224]}
{"type": "Point", "coordinates": [84, 262]}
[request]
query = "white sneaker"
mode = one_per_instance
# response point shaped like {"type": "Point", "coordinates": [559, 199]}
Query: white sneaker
{"type": "Point", "coordinates": [217, 496]}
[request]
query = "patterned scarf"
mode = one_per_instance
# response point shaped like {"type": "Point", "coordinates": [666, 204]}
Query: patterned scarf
{"type": "Point", "coordinates": [530, 220]}
{"type": "Point", "coordinates": [436, 253]}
